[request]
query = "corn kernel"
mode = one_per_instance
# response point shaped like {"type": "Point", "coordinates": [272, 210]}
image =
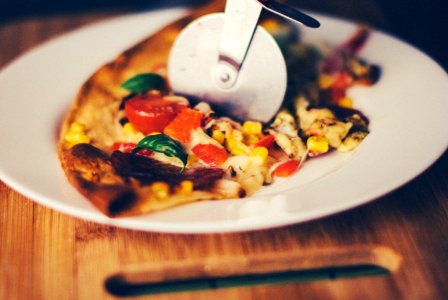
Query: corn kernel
{"type": "Point", "coordinates": [185, 187]}
{"type": "Point", "coordinates": [317, 144]}
{"type": "Point", "coordinates": [218, 136]}
{"type": "Point", "coordinates": [260, 154]}
{"type": "Point", "coordinates": [76, 138]}
{"type": "Point", "coordinates": [346, 102]}
{"type": "Point", "coordinates": [76, 135]}
{"type": "Point", "coordinates": [325, 81]}
{"type": "Point", "coordinates": [251, 127]}
{"type": "Point", "coordinates": [251, 139]}
{"type": "Point", "coordinates": [77, 127]}
{"type": "Point", "coordinates": [160, 189]}
{"type": "Point", "coordinates": [237, 148]}
{"type": "Point", "coordinates": [129, 129]}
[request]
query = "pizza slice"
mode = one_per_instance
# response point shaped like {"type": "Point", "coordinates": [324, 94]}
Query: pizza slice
{"type": "Point", "coordinates": [131, 146]}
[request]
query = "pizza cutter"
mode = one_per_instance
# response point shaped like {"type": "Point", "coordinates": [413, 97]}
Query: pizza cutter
{"type": "Point", "coordinates": [230, 62]}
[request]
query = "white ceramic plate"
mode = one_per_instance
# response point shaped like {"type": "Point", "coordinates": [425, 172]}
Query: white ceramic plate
{"type": "Point", "coordinates": [407, 110]}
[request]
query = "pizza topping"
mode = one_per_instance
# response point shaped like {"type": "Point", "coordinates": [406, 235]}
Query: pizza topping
{"type": "Point", "coordinates": [346, 102]}
{"type": "Point", "coordinates": [234, 137]}
{"type": "Point", "coordinates": [124, 147]}
{"type": "Point", "coordinates": [131, 134]}
{"type": "Point", "coordinates": [181, 127]}
{"type": "Point", "coordinates": [251, 127]}
{"type": "Point", "coordinates": [317, 144]}
{"type": "Point", "coordinates": [163, 144]}
{"type": "Point", "coordinates": [210, 154]}
{"type": "Point", "coordinates": [129, 147]}
{"type": "Point", "coordinates": [152, 112]}
{"type": "Point", "coordinates": [259, 154]}
{"type": "Point", "coordinates": [76, 134]}
{"type": "Point", "coordinates": [160, 190]}
{"type": "Point", "coordinates": [229, 188]}
{"type": "Point", "coordinates": [185, 187]}
{"type": "Point", "coordinates": [143, 83]}
{"type": "Point", "coordinates": [236, 146]}
{"type": "Point", "coordinates": [218, 136]}
{"type": "Point", "coordinates": [285, 123]}
{"type": "Point", "coordinates": [287, 168]}
{"type": "Point", "coordinates": [204, 108]}
{"type": "Point", "coordinates": [149, 170]}
{"type": "Point", "coordinates": [267, 141]}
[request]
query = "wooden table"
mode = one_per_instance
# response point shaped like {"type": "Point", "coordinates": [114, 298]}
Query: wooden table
{"type": "Point", "coordinates": [48, 255]}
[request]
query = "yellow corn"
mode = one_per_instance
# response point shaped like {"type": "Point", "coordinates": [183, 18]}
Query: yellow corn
{"type": "Point", "coordinates": [76, 134]}
{"type": "Point", "coordinates": [251, 139]}
{"type": "Point", "coordinates": [317, 144]}
{"type": "Point", "coordinates": [76, 127]}
{"type": "Point", "coordinates": [346, 102]}
{"type": "Point", "coordinates": [160, 189]}
{"type": "Point", "coordinates": [260, 154]}
{"type": "Point", "coordinates": [185, 187]}
{"type": "Point", "coordinates": [77, 138]}
{"type": "Point", "coordinates": [129, 129]}
{"type": "Point", "coordinates": [236, 147]}
{"type": "Point", "coordinates": [218, 135]}
{"type": "Point", "coordinates": [325, 81]}
{"type": "Point", "coordinates": [251, 127]}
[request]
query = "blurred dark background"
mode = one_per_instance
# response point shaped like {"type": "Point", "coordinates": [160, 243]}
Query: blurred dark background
{"type": "Point", "coordinates": [421, 23]}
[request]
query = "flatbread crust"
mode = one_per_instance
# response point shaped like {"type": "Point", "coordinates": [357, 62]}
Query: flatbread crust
{"type": "Point", "coordinates": [88, 166]}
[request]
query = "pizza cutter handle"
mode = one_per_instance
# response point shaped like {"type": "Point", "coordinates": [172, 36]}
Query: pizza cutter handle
{"type": "Point", "coordinates": [289, 13]}
{"type": "Point", "coordinates": [240, 21]}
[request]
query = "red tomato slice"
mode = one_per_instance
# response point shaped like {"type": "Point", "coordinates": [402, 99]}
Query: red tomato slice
{"type": "Point", "coordinates": [181, 126]}
{"type": "Point", "coordinates": [287, 168]}
{"type": "Point", "coordinates": [210, 154]}
{"type": "Point", "coordinates": [151, 113]}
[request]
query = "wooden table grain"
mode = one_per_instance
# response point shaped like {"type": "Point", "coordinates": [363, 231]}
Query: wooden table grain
{"type": "Point", "coordinates": [47, 255]}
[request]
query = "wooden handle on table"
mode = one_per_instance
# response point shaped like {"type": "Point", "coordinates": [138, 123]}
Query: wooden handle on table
{"type": "Point", "coordinates": [266, 263]}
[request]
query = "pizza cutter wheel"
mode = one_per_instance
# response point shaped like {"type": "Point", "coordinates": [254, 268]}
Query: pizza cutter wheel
{"type": "Point", "coordinates": [227, 60]}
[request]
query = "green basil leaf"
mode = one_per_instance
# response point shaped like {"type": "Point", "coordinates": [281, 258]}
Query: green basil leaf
{"type": "Point", "coordinates": [145, 82]}
{"type": "Point", "coordinates": [163, 144]}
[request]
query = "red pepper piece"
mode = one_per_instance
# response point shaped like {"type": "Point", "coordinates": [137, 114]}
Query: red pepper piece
{"type": "Point", "coordinates": [210, 154]}
{"type": "Point", "coordinates": [180, 128]}
{"type": "Point", "coordinates": [287, 168]}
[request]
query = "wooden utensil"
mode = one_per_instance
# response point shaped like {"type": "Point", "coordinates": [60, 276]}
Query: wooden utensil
{"type": "Point", "coordinates": [266, 268]}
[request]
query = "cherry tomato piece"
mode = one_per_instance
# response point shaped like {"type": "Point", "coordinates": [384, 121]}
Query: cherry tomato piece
{"type": "Point", "coordinates": [151, 113]}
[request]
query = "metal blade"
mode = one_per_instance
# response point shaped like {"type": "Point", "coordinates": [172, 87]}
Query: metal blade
{"type": "Point", "coordinates": [196, 69]}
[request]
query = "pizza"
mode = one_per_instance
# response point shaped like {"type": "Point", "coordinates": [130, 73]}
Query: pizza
{"type": "Point", "coordinates": [131, 146]}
